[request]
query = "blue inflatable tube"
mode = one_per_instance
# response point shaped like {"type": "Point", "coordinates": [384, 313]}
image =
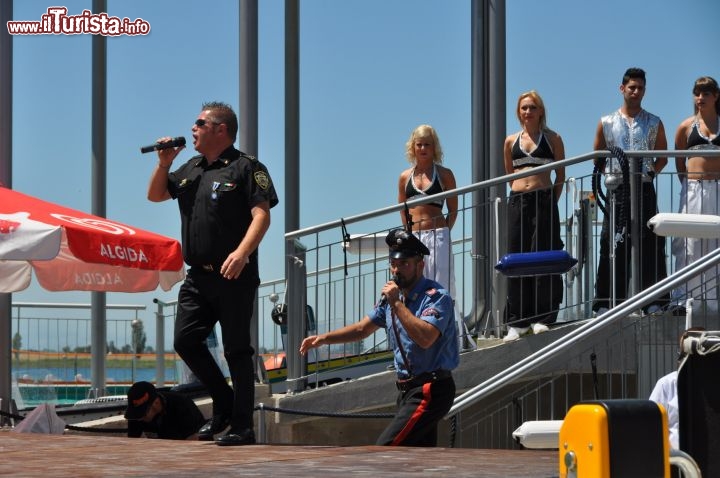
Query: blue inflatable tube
{"type": "Point", "coordinates": [523, 264]}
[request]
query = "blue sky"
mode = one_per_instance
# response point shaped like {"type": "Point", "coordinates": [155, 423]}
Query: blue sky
{"type": "Point", "coordinates": [371, 70]}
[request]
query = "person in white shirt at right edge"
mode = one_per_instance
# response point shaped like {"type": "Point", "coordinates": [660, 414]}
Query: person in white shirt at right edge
{"type": "Point", "coordinates": [665, 393]}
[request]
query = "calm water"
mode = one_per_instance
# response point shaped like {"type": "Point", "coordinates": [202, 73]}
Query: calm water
{"type": "Point", "coordinates": [112, 374]}
{"type": "Point", "coordinates": [64, 394]}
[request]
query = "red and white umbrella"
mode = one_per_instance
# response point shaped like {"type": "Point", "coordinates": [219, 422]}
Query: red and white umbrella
{"type": "Point", "coordinates": [73, 250]}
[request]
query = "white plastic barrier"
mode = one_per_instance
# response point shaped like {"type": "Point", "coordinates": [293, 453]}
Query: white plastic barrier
{"type": "Point", "coordinates": [675, 224]}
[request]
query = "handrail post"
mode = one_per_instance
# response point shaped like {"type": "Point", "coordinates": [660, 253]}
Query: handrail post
{"type": "Point", "coordinates": [589, 211]}
{"type": "Point", "coordinates": [160, 343]}
{"type": "Point", "coordinates": [635, 218]}
{"type": "Point", "coordinates": [262, 433]}
{"type": "Point", "coordinates": [295, 294]}
{"type": "Point", "coordinates": [499, 286]}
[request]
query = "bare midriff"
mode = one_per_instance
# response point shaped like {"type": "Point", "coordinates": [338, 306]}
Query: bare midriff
{"type": "Point", "coordinates": [531, 183]}
{"type": "Point", "coordinates": [700, 167]}
{"type": "Point", "coordinates": [426, 217]}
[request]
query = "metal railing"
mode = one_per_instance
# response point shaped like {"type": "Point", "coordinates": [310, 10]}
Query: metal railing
{"type": "Point", "coordinates": [51, 345]}
{"type": "Point", "coordinates": [322, 249]}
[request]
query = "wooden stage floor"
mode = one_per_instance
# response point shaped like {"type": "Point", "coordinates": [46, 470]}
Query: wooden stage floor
{"type": "Point", "coordinates": [38, 455]}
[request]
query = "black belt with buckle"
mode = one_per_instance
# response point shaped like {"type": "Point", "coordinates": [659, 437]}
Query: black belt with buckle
{"type": "Point", "coordinates": [423, 378]}
{"type": "Point", "coordinates": [210, 267]}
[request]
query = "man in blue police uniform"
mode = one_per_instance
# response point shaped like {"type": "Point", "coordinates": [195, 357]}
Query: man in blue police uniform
{"type": "Point", "coordinates": [418, 316]}
{"type": "Point", "coordinates": [225, 198]}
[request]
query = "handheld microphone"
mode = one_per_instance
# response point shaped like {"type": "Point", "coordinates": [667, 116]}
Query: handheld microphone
{"type": "Point", "coordinates": [173, 143]}
{"type": "Point", "coordinates": [383, 299]}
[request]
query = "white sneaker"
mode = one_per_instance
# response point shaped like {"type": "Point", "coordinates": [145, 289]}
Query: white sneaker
{"type": "Point", "coordinates": [514, 333]}
{"type": "Point", "coordinates": [539, 328]}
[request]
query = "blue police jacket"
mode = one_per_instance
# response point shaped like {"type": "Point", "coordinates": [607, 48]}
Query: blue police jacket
{"type": "Point", "coordinates": [433, 304]}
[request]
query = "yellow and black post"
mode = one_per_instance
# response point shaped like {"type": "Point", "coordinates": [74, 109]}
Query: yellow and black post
{"type": "Point", "coordinates": [615, 438]}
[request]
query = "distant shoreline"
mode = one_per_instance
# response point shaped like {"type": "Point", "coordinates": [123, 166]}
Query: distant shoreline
{"type": "Point", "coordinates": [82, 359]}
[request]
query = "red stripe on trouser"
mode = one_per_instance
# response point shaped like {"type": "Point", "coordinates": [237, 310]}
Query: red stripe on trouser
{"type": "Point", "coordinates": [416, 416]}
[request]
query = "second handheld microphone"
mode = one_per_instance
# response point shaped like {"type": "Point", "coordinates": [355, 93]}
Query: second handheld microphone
{"type": "Point", "coordinates": [383, 299]}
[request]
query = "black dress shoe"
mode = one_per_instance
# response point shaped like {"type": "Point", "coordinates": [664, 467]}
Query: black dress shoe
{"type": "Point", "coordinates": [237, 437]}
{"type": "Point", "coordinates": [214, 426]}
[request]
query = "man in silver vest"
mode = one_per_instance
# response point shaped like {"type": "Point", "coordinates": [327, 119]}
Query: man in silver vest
{"type": "Point", "coordinates": [630, 128]}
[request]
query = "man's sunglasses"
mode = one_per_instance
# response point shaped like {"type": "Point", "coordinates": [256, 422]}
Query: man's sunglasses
{"type": "Point", "coordinates": [202, 122]}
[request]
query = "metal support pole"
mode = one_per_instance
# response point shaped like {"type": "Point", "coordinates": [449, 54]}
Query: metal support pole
{"type": "Point", "coordinates": [248, 107]}
{"type": "Point", "coordinates": [248, 114]}
{"type": "Point", "coordinates": [488, 131]}
{"type": "Point", "coordinates": [6, 62]}
{"type": "Point", "coordinates": [99, 196]}
{"type": "Point", "coordinates": [479, 125]}
{"type": "Point", "coordinates": [292, 116]}
{"type": "Point", "coordinates": [295, 269]}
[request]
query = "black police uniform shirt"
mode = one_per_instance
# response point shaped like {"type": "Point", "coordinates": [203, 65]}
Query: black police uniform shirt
{"type": "Point", "coordinates": [215, 204]}
{"type": "Point", "coordinates": [180, 419]}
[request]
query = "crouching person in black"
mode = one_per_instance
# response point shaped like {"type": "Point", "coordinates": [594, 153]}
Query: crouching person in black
{"type": "Point", "coordinates": [161, 414]}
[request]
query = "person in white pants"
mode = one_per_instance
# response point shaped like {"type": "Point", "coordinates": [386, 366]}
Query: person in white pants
{"type": "Point", "coordinates": [700, 180]}
{"type": "Point", "coordinates": [427, 177]}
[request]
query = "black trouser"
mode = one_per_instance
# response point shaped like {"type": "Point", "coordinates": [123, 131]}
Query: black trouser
{"type": "Point", "coordinates": [419, 411]}
{"type": "Point", "coordinates": [651, 253]}
{"type": "Point", "coordinates": [204, 299]}
{"type": "Point", "coordinates": [533, 225]}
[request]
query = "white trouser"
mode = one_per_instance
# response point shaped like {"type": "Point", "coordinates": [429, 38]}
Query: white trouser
{"type": "Point", "coordinates": [697, 197]}
{"type": "Point", "coordinates": [439, 266]}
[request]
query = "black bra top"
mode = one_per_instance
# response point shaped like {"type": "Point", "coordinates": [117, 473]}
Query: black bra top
{"type": "Point", "coordinates": [696, 140]}
{"type": "Point", "coordinates": [540, 156]}
{"type": "Point", "coordinates": [435, 187]}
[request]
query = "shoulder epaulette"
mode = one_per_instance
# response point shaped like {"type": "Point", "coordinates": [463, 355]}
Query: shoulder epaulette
{"type": "Point", "coordinates": [434, 291]}
{"type": "Point", "coordinates": [196, 160]}
{"type": "Point", "coordinates": [249, 156]}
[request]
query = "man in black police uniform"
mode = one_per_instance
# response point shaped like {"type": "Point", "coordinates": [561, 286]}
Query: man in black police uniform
{"type": "Point", "coordinates": [225, 198]}
{"type": "Point", "coordinates": [419, 317]}
{"type": "Point", "coordinates": [161, 414]}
